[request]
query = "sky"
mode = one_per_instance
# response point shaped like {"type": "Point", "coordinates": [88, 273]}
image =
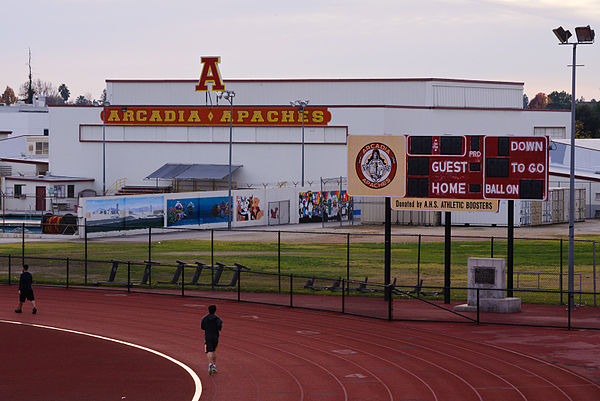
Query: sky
{"type": "Point", "coordinates": [81, 43]}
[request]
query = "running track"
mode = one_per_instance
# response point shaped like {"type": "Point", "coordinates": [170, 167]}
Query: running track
{"type": "Point", "coordinates": [277, 353]}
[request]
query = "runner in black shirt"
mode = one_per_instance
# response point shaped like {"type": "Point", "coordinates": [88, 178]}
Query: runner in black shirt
{"type": "Point", "coordinates": [212, 325]}
{"type": "Point", "coordinates": [25, 290]}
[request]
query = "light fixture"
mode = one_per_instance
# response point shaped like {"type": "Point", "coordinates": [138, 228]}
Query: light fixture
{"type": "Point", "coordinates": [562, 35]}
{"type": "Point", "coordinates": [585, 34]}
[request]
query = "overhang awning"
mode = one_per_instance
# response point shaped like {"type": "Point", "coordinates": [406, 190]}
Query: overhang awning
{"type": "Point", "coordinates": [172, 171]}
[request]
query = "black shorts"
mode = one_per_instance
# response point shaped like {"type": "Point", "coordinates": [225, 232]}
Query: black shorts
{"type": "Point", "coordinates": [26, 294]}
{"type": "Point", "coordinates": [210, 345]}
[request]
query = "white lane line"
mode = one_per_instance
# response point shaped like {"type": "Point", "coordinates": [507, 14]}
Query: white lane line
{"type": "Point", "coordinates": [195, 377]}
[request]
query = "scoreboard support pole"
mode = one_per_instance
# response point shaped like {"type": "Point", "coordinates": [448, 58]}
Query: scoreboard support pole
{"type": "Point", "coordinates": [509, 256]}
{"type": "Point", "coordinates": [388, 248]}
{"type": "Point", "coordinates": [447, 255]}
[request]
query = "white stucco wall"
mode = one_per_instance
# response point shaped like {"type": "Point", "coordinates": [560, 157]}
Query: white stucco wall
{"type": "Point", "coordinates": [270, 155]}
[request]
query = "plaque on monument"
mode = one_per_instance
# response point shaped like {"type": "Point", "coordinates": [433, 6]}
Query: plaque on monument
{"type": "Point", "coordinates": [485, 275]}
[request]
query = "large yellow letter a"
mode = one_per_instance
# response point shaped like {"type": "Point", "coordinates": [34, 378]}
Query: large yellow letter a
{"type": "Point", "coordinates": [210, 73]}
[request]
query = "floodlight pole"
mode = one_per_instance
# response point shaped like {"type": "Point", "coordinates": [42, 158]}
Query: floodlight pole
{"type": "Point", "coordinates": [230, 203]}
{"type": "Point", "coordinates": [229, 95]}
{"type": "Point", "coordinates": [103, 149]}
{"type": "Point", "coordinates": [105, 104]}
{"type": "Point", "coordinates": [572, 187]}
{"type": "Point", "coordinates": [301, 106]}
{"type": "Point", "coordinates": [585, 35]}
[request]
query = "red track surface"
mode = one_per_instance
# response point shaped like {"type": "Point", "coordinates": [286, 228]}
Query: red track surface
{"type": "Point", "coordinates": [277, 353]}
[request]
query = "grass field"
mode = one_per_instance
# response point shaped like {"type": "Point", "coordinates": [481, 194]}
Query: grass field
{"type": "Point", "coordinates": [538, 262]}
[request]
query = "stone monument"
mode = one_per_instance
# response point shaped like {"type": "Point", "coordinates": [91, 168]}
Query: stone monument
{"type": "Point", "coordinates": [489, 276]}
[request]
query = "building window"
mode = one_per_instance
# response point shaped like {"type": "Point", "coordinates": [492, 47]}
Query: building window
{"type": "Point", "coordinates": [551, 132]}
{"type": "Point", "coordinates": [70, 191]}
{"type": "Point", "coordinates": [46, 131]}
{"type": "Point", "coordinates": [18, 190]}
{"type": "Point", "coordinates": [41, 148]}
{"type": "Point", "coordinates": [59, 191]}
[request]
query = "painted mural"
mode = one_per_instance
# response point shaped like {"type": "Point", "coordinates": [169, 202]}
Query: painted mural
{"type": "Point", "coordinates": [120, 213]}
{"type": "Point", "coordinates": [248, 208]}
{"type": "Point", "coordinates": [322, 206]}
{"type": "Point", "coordinates": [192, 211]}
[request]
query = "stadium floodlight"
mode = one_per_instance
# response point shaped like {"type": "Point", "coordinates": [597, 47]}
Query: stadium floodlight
{"type": "Point", "coordinates": [585, 35]}
{"type": "Point", "coordinates": [562, 35]}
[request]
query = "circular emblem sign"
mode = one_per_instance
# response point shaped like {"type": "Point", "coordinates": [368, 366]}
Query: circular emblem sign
{"type": "Point", "coordinates": [376, 165]}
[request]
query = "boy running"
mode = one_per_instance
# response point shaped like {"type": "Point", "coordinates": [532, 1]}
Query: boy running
{"type": "Point", "coordinates": [212, 325]}
{"type": "Point", "coordinates": [25, 290]}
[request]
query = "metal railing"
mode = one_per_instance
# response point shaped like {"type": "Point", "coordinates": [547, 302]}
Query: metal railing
{"type": "Point", "coordinates": [242, 284]}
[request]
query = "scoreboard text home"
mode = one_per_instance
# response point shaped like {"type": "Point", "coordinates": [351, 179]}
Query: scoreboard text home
{"type": "Point", "coordinates": [456, 167]}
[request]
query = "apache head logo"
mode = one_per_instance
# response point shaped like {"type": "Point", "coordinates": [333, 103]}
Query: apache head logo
{"type": "Point", "coordinates": [376, 165]}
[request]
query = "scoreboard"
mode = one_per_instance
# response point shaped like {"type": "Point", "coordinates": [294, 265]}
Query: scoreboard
{"type": "Point", "coordinates": [457, 167]}
{"type": "Point", "coordinates": [476, 167]}
{"type": "Point", "coordinates": [444, 167]}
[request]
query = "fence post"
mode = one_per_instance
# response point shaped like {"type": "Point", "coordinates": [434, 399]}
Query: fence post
{"type": "Point", "coordinates": [150, 244]}
{"type": "Point", "coordinates": [477, 305]}
{"type": "Point", "coordinates": [348, 261]}
{"type": "Point", "coordinates": [183, 280]}
{"type": "Point", "coordinates": [560, 286]}
{"type": "Point", "coordinates": [291, 290]}
{"type": "Point", "coordinates": [419, 261]}
{"type": "Point", "coordinates": [67, 272]}
{"type": "Point", "coordinates": [85, 263]}
{"type": "Point", "coordinates": [279, 260]}
{"type": "Point", "coordinates": [128, 276]}
{"type": "Point", "coordinates": [212, 247]}
{"type": "Point", "coordinates": [344, 283]}
{"type": "Point", "coordinates": [390, 300]}
{"type": "Point", "coordinates": [23, 245]}
{"type": "Point", "coordinates": [569, 310]}
{"type": "Point", "coordinates": [492, 246]}
{"type": "Point", "coordinates": [9, 268]}
{"type": "Point", "coordinates": [239, 283]}
{"type": "Point", "coordinates": [594, 267]}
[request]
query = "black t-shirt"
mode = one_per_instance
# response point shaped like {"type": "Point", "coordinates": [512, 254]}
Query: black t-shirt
{"type": "Point", "coordinates": [212, 325]}
{"type": "Point", "coordinates": [25, 281]}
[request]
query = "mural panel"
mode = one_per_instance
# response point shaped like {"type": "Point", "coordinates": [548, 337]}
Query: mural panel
{"type": "Point", "coordinates": [248, 208]}
{"type": "Point", "coordinates": [322, 206]}
{"type": "Point", "coordinates": [193, 211]}
{"type": "Point", "coordinates": [120, 213]}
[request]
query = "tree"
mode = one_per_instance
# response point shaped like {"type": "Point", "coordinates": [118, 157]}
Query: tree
{"type": "Point", "coordinates": [559, 101]}
{"type": "Point", "coordinates": [589, 121]}
{"type": "Point", "coordinates": [64, 92]}
{"type": "Point", "coordinates": [540, 101]}
{"type": "Point", "coordinates": [525, 101]}
{"type": "Point", "coordinates": [29, 92]}
{"type": "Point", "coordinates": [8, 97]}
{"type": "Point", "coordinates": [82, 100]}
